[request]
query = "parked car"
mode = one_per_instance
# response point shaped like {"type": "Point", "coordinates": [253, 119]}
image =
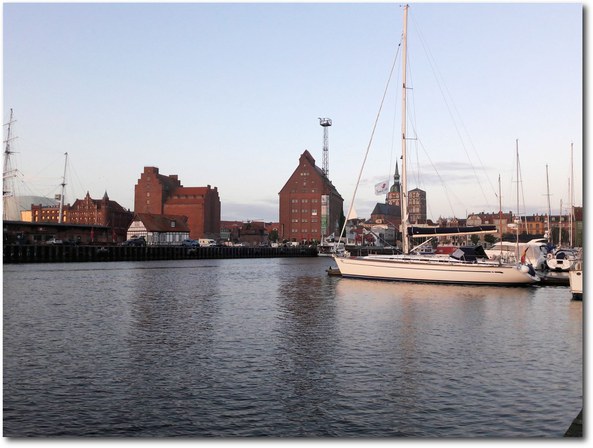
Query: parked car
{"type": "Point", "coordinates": [138, 241]}
{"type": "Point", "coordinates": [54, 241]}
{"type": "Point", "coordinates": [190, 243]}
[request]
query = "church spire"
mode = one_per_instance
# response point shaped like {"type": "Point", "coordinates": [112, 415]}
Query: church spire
{"type": "Point", "coordinates": [394, 195]}
{"type": "Point", "coordinates": [395, 187]}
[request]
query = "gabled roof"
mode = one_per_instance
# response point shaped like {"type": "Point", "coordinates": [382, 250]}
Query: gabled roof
{"type": "Point", "coordinates": [386, 209]}
{"type": "Point", "coordinates": [99, 203]}
{"type": "Point", "coordinates": [308, 158]}
{"type": "Point", "coordinates": [162, 223]}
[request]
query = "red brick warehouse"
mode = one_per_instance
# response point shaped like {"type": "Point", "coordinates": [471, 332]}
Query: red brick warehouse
{"type": "Point", "coordinates": [164, 195]}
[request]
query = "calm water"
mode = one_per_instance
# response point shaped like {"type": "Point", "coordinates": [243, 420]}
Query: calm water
{"type": "Point", "coordinates": [275, 347]}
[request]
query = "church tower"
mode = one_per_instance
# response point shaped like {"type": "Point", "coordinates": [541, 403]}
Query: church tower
{"type": "Point", "coordinates": [394, 195]}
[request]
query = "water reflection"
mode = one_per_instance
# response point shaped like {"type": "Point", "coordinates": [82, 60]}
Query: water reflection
{"type": "Point", "coordinates": [305, 351]}
{"type": "Point", "coordinates": [277, 347]}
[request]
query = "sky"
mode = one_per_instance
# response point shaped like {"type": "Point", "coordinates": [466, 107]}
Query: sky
{"type": "Point", "coordinates": [230, 95]}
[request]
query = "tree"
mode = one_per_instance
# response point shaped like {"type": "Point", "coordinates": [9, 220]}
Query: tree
{"type": "Point", "coordinates": [490, 238]}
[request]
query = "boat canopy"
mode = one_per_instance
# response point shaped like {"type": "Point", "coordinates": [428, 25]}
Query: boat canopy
{"type": "Point", "coordinates": [469, 253]}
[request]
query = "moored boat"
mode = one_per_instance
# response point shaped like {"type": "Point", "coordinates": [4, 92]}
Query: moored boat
{"type": "Point", "coordinates": [575, 276]}
{"type": "Point", "coordinates": [459, 267]}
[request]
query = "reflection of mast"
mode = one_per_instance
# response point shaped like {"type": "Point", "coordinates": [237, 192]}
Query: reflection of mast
{"type": "Point", "coordinates": [63, 186]}
{"type": "Point", "coordinates": [9, 173]}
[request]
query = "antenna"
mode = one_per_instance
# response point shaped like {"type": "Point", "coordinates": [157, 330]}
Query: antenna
{"type": "Point", "coordinates": [325, 122]}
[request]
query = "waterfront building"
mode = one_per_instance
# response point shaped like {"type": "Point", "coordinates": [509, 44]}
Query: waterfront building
{"type": "Point", "coordinates": [90, 212]}
{"type": "Point", "coordinates": [160, 230]}
{"type": "Point", "coordinates": [158, 194]}
{"type": "Point", "coordinates": [310, 206]}
{"type": "Point", "coordinates": [249, 233]}
{"type": "Point", "coordinates": [417, 206]}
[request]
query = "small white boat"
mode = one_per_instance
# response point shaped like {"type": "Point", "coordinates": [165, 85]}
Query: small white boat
{"type": "Point", "coordinates": [575, 275]}
{"type": "Point", "coordinates": [561, 259]}
{"type": "Point", "coordinates": [329, 247]}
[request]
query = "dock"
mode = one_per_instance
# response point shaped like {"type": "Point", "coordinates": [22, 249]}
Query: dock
{"type": "Point", "coordinates": [43, 253]}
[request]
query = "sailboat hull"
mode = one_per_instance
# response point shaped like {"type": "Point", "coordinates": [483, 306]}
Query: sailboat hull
{"type": "Point", "coordinates": [576, 281]}
{"type": "Point", "coordinates": [432, 269]}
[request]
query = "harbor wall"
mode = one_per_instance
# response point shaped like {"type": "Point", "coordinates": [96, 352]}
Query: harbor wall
{"type": "Point", "coordinates": [77, 254]}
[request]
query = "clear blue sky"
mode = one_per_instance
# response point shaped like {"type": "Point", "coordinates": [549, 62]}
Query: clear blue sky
{"type": "Point", "coordinates": [229, 95]}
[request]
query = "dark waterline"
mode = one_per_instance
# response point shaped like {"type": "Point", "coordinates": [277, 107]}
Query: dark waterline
{"type": "Point", "coordinates": [276, 347]}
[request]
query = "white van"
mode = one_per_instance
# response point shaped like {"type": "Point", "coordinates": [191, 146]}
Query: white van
{"type": "Point", "coordinates": [205, 242]}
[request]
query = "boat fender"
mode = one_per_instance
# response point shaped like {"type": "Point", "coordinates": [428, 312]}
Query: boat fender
{"type": "Point", "coordinates": [523, 256]}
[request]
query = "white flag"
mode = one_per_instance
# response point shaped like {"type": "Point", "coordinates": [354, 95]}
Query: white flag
{"type": "Point", "coordinates": [382, 187]}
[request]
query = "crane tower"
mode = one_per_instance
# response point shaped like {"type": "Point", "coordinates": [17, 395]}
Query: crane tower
{"type": "Point", "coordinates": [326, 123]}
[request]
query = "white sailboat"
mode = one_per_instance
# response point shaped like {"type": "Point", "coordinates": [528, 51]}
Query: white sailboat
{"type": "Point", "coordinates": [461, 267]}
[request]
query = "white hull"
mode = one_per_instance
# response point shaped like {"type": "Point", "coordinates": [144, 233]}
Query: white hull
{"type": "Point", "coordinates": [432, 269]}
{"type": "Point", "coordinates": [575, 276]}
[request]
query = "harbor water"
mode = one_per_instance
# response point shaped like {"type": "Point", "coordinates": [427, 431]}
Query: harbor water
{"type": "Point", "coordinates": [276, 347]}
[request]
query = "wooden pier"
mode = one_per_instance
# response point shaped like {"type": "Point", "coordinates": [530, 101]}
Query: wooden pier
{"type": "Point", "coordinates": [78, 254]}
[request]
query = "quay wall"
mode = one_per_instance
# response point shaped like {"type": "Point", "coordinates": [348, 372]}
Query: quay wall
{"type": "Point", "coordinates": [68, 254]}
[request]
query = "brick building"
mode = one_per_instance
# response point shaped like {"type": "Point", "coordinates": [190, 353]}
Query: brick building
{"type": "Point", "coordinates": [310, 206]}
{"type": "Point", "coordinates": [88, 211]}
{"type": "Point", "coordinates": [158, 194]}
{"type": "Point", "coordinates": [159, 230]}
{"type": "Point", "coordinates": [417, 206]}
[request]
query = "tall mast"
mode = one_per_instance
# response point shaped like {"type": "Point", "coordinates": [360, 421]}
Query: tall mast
{"type": "Point", "coordinates": [500, 213]}
{"type": "Point", "coordinates": [8, 174]}
{"type": "Point", "coordinates": [404, 184]}
{"type": "Point", "coordinates": [63, 187]}
{"type": "Point", "coordinates": [518, 219]}
{"type": "Point", "coordinates": [548, 229]}
{"type": "Point", "coordinates": [570, 216]}
{"type": "Point", "coordinates": [560, 225]}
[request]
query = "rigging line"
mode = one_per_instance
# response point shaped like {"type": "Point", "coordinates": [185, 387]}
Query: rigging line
{"type": "Point", "coordinates": [442, 181]}
{"type": "Point", "coordinates": [414, 124]}
{"type": "Point", "coordinates": [370, 140]}
{"type": "Point", "coordinates": [393, 130]}
{"type": "Point", "coordinates": [441, 85]}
